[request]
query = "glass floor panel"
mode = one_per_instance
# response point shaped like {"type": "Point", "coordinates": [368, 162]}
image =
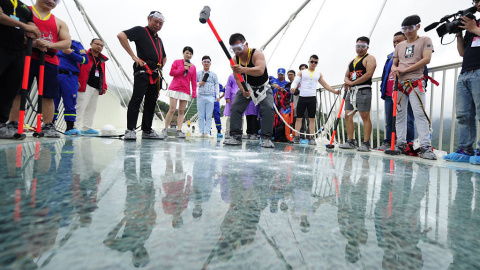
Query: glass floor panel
{"type": "Point", "coordinates": [93, 203]}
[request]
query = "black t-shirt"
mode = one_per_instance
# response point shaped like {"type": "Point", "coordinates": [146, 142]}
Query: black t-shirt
{"type": "Point", "coordinates": [144, 41]}
{"type": "Point", "coordinates": [254, 80]}
{"type": "Point", "coordinates": [359, 69]}
{"type": "Point", "coordinates": [94, 81]}
{"type": "Point", "coordinates": [12, 37]}
{"type": "Point", "coordinates": [471, 56]}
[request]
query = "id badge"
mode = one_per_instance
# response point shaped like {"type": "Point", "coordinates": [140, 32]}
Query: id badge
{"type": "Point", "coordinates": [354, 76]}
{"type": "Point", "coordinates": [97, 73]}
{"type": "Point", "coordinates": [311, 83]}
{"type": "Point", "coordinates": [14, 17]}
{"type": "Point", "coordinates": [476, 42]}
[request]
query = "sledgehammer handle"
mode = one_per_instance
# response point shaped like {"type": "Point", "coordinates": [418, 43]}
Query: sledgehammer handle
{"type": "Point", "coordinates": [244, 85]}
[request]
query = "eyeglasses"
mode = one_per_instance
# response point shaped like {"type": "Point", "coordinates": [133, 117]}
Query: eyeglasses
{"type": "Point", "coordinates": [362, 46]}
{"type": "Point", "coordinates": [98, 44]}
{"type": "Point", "coordinates": [409, 28]}
{"type": "Point", "coordinates": [206, 61]}
{"type": "Point", "coordinates": [238, 47]}
{"type": "Point", "coordinates": [313, 62]}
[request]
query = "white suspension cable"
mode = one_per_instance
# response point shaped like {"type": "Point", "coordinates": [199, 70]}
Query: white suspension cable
{"type": "Point", "coordinates": [74, 26]}
{"type": "Point", "coordinates": [89, 22]}
{"type": "Point", "coordinates": [280, 40]}
{"type": "Point", "coordinates": [311, 26]}
{"type": "Point", "coordinates": [378, 18]}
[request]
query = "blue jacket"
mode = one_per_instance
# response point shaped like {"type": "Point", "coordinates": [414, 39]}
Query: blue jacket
{"type": "Point", "coordinates": [386, 72]}
{"type": "Point", "coordinates": [70, 61]}
{"type": "Point", "coordinates": [277, 81]}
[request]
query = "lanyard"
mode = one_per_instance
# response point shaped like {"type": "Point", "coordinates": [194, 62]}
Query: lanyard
{"type": "Point", "coordinates": [154, 45]}
{"type": "Point", "coordinates": [311, 74]}
{"type": "Point", "coordinates": [248, 61]}
{"type": "Point", "coordinates": [355, 63]}
{"type": "Point", "coordinates": [95, 61]}
{"type": "Point", "coordinates": [15, 5]}
{"type": "Point", "coordinates": [39, 16]}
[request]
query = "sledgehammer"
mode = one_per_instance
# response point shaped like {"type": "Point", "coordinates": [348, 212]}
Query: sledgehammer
{"type": "Point", "coordinates": [205, 18]}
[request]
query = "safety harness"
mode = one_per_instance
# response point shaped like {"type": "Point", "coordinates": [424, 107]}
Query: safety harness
{"type": "Point", "coordinates": [353, 95]}
{"type": "Point", "coordinates": [158, 80]}
{"type": "Point", "coordinates": [409, 86]}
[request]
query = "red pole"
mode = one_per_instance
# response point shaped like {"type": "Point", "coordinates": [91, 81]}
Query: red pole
{"type": "Point", "coordinates": [23, 92]}
{"type": "Point", "coordinates": [41, 76]}
{"type": "Point", "coordinates": [336, 122]}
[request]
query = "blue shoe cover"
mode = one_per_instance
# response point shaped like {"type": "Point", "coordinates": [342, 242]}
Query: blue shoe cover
{"type": "Point", "coordinates": [91, 132]}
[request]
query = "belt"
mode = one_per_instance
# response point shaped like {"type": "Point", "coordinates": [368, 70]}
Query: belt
{"type": "Point", "coordinates": [67, 72]}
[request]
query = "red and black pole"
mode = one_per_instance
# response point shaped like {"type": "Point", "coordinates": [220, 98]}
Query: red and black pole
{"type": "Point", "coordinates": [205, 18]}
{"type": "Point", "coordinates": [331, 146]}
{"type": "Point", "coordinates": [392, 150]}
{"type": "Point", "coordinates": [23, 100]}
{"type": "Point", "coordinates": [38, 131]}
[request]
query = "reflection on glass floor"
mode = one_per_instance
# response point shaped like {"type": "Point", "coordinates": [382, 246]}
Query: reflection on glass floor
{"type": "Point", "coordinates": [95, 203]}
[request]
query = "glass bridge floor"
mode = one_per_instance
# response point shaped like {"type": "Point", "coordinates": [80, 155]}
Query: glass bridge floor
{"type": "Point", "coordinates": [93, 203]}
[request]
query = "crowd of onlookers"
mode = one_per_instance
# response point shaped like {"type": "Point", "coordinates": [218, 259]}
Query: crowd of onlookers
{"type": "Point", "coordinates": [280, 109]}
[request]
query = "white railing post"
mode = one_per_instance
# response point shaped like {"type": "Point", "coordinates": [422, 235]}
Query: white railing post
{"type": "Point", "coordinates": [452, 131]}
{"type": "Point", "coordinates": [442, 106]}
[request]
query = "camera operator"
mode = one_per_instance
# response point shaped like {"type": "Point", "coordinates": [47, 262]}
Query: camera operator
{"type": "Point", "coordinates": [468, 94]}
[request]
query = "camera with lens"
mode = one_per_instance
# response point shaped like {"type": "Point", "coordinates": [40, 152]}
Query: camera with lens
{"type": "Point", "coordinates": [445, 26]}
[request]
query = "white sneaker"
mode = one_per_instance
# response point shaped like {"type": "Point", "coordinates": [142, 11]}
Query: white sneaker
{"type": "Point", "coordinates": [130, 135]}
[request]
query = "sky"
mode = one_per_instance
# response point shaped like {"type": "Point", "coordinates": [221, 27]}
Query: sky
{"type": "Point", "coordinates": [332, 36]}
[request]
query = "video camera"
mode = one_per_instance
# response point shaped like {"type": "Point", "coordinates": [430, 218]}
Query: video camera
{"type": "Point", "coordinates": [452, 27]}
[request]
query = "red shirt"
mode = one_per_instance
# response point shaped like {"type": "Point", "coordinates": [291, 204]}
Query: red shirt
{"type": "Point", "coordinates": [49, 31]}
{"type": "Point", "coordinates": [390, 83]}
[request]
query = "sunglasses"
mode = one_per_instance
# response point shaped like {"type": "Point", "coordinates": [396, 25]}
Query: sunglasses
{"type": "Point", "coordinates": [313, 62]}
{"type": "Point", "coordinates": [206, 61]}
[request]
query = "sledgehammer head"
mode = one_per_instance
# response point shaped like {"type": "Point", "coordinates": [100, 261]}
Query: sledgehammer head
{"type": "Point", "coordinates": [205, 14]}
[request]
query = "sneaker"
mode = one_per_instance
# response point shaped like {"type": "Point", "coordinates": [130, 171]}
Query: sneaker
{"type": "Point", "coordinates": [409, 151]}
{"type": "Point", "coordinates": [49, 131]}
{"type": "Point", "coordinates": [180, 135]}
{"type": "Point", "coordinates": [296, 140]}
{"type": "Point", "coordinates": [267, 142]}
{"type": "Point", "coordinates": [227, 136]}
{"type": "Point", "coordinates": [91, 132]}
{"type": "Point", "coordinates": [426, 152]}
{"type": "Point", "coordinates": [311, 141]}
{"type": "Point", "coordinates": [233, 140]}
{"type": "Point", "coordinates": [151, 135]}
{"type": "Point", "coordinates": [385, 146]}
{"type": "Point", "coordinates": [130, 135]}
{"type": "Point", "coordinates": [6, 132]}
{"type": "Point", "coordinates": [364, 147]}
{"type": "Point", "coordinates": [458, 156]}
{"type": "Point", "coordinates": [73, 132]}
{"type": "Point", "coordinates": [402, 147]}
{"type": "Point", "coordinates": [349, 144]}
{"type": "Point", "coordinates": [219, 135]}
{"type": "Point", "coordinates": [164, 133]}
{"type": "Point", "coordinates": [254, 137]}
{"type": "Point", "coordinates": [246, 136]}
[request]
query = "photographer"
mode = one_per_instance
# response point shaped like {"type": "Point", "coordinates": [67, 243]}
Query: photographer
{"type": "Point", "coordinates": [468, 95]}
